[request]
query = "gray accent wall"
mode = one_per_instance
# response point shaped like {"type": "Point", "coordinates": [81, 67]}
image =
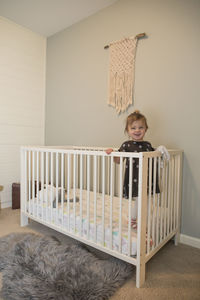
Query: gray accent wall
{"type": "Point", "coordinates": [167, 79]}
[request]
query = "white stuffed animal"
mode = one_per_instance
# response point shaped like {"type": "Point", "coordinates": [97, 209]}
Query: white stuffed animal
{"type": "Point", "coordinates": [45, 194]}
{"type": "Point", "coordinates": [48, 191]}
{"type": "Point", "coordinates": [164, 152]}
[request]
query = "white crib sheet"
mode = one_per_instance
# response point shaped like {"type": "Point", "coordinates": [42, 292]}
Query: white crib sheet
{"type": "Point", "coordinates": [60, 217]}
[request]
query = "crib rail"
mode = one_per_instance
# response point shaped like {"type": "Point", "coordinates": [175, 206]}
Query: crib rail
{"type": "Point", "coordinates": [75, 190]}
{"type": "Point", "coordinates": [163, 209]}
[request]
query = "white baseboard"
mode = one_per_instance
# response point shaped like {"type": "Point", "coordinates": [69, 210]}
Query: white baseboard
{"type": "Point", "coordinates": [6, 204]}
{"type": "Point", "coordinates": [190, 241]}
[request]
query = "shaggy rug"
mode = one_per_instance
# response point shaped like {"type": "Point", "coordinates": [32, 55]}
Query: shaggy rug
{"type": "Point", "coordinates": [39, 267]}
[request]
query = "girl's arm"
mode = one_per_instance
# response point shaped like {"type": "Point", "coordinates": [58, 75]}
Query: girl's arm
{"type": "Point", "coordinates": [116, 159]}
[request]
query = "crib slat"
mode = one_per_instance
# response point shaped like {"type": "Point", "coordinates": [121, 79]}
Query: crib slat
{"type": "Point", "coordinates": [47, 182]}
{"type": "Point", "coordinates": [149, 220]}
{"type": "Point", "coordinates": [130, 204]}
{"type": "Point", "coordinates": [161, 200]}
{"type": "Point", "coordinates": [26, 180]}
{"type": "Point", "coordinates": [111, 202]}
{"type": "Point", "coordinates": [56, 187]}
{"type": "Point", "coordinates": [107, 175]}
{"type": "Point", "coordinates": [174, 192]}
{"type": "Point", "coordinates": [98, 176]}
{"type": "Point", "coordinates": [158, 220]}
{"type": "Point", "coordinates": [154, 204]}
{"type": "Point", "coordinates": [42, 183]}
{"type": "Point", "coordinates": [165, 200]}
{"type": "Point", "coordinates": [169, 200]}
{"type": "Point", "coordinates": [174, 195]}
{"type": "Point", "coordinates": [62, 187]}
{"type": "Point", "coordinates": [74, 193]}
{"type": "Point", "coordinates": [88, 196]}
{"type": "Point", "coordinates": [81, 193]}
{"type": "Point", "coordinates": [103, 200]}
{"type": "Point", "coordinates": [29, 179]}
{"type": "Point", "coordinates": [157, 204]}
{"type": "Point", "coordinates": [120, 205]}
{"type": "Point", "coordinates": [171, 195]}
{"type": "Point", "coordinates": [95, 197]}
{"type": "Point", "coordinates": [85, 172]}
{"type": "Point", "coordinates": [51, 196]}
{"type": "Point", "coordinates": [37, 186]}
{"type": "Point", "coordinates": [33, 181]}
{"type": "Point", "coordinates": [68, 189]}
{"type": "Point", "coordinates": [177, 196]}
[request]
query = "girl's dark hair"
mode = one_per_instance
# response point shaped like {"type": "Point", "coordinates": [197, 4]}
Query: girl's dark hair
{"type": "Point", "coordinates": [135, 116]}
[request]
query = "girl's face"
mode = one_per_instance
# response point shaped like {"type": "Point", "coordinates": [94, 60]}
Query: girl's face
{"type": "Point", "coordinates": [137, 130]}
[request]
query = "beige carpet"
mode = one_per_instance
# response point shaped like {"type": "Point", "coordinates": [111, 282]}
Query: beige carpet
{"type": "Point", "coordinates": [173, 273]}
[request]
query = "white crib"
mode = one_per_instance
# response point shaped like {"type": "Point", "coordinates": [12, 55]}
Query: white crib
{"type": "Point", "coordinates": [79, 192]}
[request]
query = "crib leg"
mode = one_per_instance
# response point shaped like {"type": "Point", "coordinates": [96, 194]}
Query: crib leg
{"type": "Point", "coordinates": [23, 220]}
{"type": "Point", "coordinates": [176, 238]}
{"type": "Point", "coordinates": [140, 275]}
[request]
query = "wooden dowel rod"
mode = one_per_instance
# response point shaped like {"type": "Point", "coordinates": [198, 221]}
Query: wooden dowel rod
{"type": "Point", "coordinates": [138, 36]}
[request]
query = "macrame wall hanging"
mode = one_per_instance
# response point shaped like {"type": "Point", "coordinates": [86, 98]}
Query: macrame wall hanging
{"type": "Point", "coordinates": [121, 72]}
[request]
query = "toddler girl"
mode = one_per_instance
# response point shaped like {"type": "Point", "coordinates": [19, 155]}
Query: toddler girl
{"type": "Point", "coordinates": [136, 127]}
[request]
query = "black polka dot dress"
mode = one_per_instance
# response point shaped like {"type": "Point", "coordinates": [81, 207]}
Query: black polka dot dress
{"type": "Point", "coordinates": [134, 146]}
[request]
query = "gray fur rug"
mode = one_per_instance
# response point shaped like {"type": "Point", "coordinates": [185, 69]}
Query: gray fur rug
{"type": "Point", "coordinates": [39, 267]}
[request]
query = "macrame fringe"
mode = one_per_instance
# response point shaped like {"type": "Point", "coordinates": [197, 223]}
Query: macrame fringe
{"type": "Point", "coordinates": [121, 74]}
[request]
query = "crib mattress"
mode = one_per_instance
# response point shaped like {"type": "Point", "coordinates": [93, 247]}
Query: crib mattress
{"type": "Point", "coordinates": [85, 224]}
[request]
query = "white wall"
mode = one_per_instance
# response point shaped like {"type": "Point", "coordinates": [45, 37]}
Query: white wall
{"type": "Point", "coordinates": [22, 98]}
{"type": "Point", "coordinates": [166, 86]}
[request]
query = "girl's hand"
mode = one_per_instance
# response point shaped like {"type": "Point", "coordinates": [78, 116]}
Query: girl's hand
{"type": "Point", "coordinates": [109, 150]}
{"type": "Point", "coordinates": [116, 159]}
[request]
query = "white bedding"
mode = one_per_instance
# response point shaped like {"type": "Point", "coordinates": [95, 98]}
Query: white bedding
{"type": "Point", "coordinates": [64, 217]}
